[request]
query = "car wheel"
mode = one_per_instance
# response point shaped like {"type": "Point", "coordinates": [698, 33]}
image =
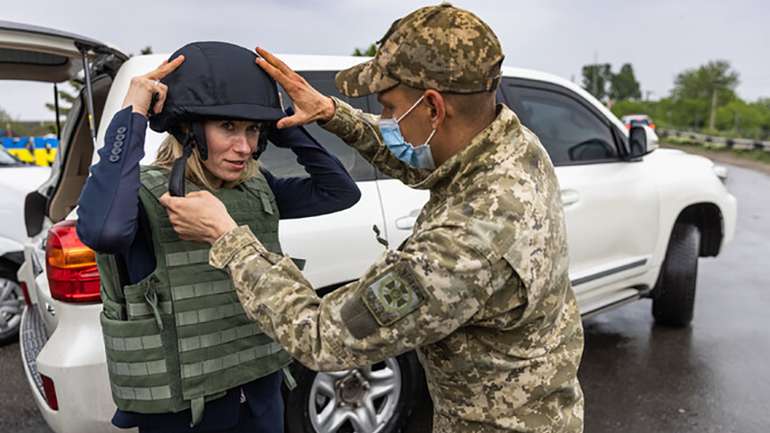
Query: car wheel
{"type": "Point", "coordinates": [673, 300]}
{"type": "Point", "coordinates": [376, 399]}
{"type": "Point", "coordinates": [11, 307]}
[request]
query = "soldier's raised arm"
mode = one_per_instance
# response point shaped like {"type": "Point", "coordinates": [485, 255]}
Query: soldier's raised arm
{"type": "Point", "coordinates": [358, 129]}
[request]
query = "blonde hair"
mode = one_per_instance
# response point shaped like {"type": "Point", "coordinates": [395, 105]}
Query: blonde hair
{"type": "Point", "coordinates": [171, 149]}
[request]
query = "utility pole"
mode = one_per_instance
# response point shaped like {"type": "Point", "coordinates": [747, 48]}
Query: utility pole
{"type": "Point", "coordinates": [596, 75]}
{"type": "Point", "coordinates": [713, 114]}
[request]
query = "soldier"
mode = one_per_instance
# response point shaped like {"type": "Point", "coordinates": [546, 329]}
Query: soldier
{"type": "Point", "coordinates": [481, 287]}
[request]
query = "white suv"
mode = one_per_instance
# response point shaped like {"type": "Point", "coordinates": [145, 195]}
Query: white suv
{"type": "Point", "coordinates": [16, 180]}
{"type": "Point", "coordinates": [638, 218]}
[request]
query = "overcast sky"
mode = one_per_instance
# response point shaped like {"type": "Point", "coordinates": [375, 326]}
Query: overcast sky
{"type": "Point", "coordinates": [659, 37]}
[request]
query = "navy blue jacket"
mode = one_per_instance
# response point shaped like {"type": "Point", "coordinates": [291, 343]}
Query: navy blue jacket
{"type": "Point", "coordinates": [111, 220]}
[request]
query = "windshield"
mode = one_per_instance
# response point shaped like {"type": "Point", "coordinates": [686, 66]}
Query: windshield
{"type": "Point", "coordinates": [642, 120]}
{"type": "Point", "coordinates": [7, 159]}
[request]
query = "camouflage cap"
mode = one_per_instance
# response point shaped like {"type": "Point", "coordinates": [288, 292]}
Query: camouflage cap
{"type": "Point", "coordinates": [436, 47]}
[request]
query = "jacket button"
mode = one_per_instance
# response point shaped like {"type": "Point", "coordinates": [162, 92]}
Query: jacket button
{"type": "Point", "coordinates": [114, 158]}
{"type": "Point", "coordinates": [117, 143]}
{"type": "Point", "coordinates": [116, 150]}
{"type": "Point", "coordinates": [122, 130]}
{"type": "Point", "coordinates": [120, 136]}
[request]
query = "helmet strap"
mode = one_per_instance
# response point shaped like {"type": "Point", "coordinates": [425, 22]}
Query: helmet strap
{"type": "Point", "coordinates": [176, 180]}
{"type": "Point", "coordinates": [262, 142]}
{"type": "Point", "coordinates": [199, 137]}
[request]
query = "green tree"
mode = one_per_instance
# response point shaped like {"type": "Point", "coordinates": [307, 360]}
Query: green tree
{"type": "Point", "coordinates": [66, 97]}
{"type": "Point", "coordinates": [4, 116]}
{"type": "Point", "coordinates": [596, 79]}
{"type": "Point", "coordinates": [713, 83]}
{"type": "Point", "coordinates": [632, 106]}
{"type": "Point", "coordinates": [742, 119]}
{"type": "Point", "coordinates": [16, 128]}
{"type": "Point", "coordinates": [763, 105]}
{"type": "Point", "coordinates": [5, 122]}
{"type": "Point", "coordinates": [369, 52]}
{"type": "Point", "coordinates": [623, 85]}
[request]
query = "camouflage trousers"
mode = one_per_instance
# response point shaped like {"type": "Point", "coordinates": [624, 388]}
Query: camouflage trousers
{"type": "Point", "coordinates": [449, 424]}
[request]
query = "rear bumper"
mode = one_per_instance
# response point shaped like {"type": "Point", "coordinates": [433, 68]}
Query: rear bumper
{"type": "Point", "coordinates": [73, 357]}
{"type": "Point", "coordinates": [32, 338]}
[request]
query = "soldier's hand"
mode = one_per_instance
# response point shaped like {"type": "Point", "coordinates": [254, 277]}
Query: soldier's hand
{"type": "Point", "coordinates": [310, 105]}
{"type": "Point", "coordinates": [199, 216]}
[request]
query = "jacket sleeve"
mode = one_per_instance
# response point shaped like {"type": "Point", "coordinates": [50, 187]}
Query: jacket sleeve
{"type": "Point", "coordinates": [329, 187]}
{"type": "Point", "coordinates": [409, 298]}
{"type": "Point", "coordinates": [108, 209]}
{"type": "Point", "coordinates": [360, 131]}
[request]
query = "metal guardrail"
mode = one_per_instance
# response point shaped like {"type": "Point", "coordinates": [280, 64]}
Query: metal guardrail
{"type": "Point", "coordinates": [732, 143]}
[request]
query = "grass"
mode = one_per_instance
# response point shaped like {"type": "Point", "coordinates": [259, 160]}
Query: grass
{"type": "Point", "coordinates": [761, 156]}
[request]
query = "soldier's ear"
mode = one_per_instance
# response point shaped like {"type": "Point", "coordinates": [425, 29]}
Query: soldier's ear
{"type": "Point", "coordinates": [437, 105]}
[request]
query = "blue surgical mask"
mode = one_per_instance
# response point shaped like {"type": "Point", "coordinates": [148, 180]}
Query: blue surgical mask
{"type": "Point", "coordinates": [414, 156]}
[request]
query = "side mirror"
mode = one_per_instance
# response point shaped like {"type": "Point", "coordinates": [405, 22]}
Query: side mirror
{"type": "Point", "coordinates": [637, 142]}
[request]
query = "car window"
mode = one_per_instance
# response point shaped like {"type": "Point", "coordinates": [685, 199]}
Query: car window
{"type": "Point", "coordinates": [7, 159]}
{"type": "Point", "coordinates": [283, 162]}
{"type": "Point", "coordinates": [570, 132]}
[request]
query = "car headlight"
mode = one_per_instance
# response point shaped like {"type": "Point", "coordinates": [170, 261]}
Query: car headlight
{"type": "Point", "coordinates": [721, 172]}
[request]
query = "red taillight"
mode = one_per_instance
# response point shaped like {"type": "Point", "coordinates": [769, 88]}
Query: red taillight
{"type": "Point", "coordinates": [25, 293]}
{"type": "Point", "coordinates": [652, 125]}
{"type": "Point", "coordinates": [71, 266]}
{"type": "Point", "coordinates": [50, 392]}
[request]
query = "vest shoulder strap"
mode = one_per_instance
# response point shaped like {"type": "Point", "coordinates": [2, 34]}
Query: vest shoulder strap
{"type": "Point", "coordinates": [259, 188]}
{"type": "Point", "coordinates": [155, 180]}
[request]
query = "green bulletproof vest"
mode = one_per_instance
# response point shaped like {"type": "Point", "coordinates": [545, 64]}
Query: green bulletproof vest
{"type": "Point", "coordinates": [180, 337]}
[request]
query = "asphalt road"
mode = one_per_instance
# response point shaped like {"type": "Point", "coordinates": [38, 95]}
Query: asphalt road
{"type": "Point", "coordinates": [711, 377]}
{"type": "Point", "coordinates": [18, 413]}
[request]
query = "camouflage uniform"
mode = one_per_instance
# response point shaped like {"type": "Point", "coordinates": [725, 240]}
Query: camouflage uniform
{"type": "Point", "coordinates": [480, 289]}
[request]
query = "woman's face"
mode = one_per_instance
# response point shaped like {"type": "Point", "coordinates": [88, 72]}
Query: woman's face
{"type": "Point", "coordinates": [230, 143]}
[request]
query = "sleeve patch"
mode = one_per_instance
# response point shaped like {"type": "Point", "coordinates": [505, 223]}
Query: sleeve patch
{"type": "Point", "coordinates": [358, 319]}
{"type": "Point", "coordinates": [394, 295]}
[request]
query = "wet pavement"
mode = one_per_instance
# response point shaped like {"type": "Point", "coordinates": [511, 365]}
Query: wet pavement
{"type": "Point", "coordinates": [713, 376]}
{"type": "Point", "coordinates": [18, 412]}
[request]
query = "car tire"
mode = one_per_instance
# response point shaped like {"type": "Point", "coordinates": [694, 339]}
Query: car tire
{"type": "Point", "coordinates": [11, 305]}
{"type": "Point", "coordinates": [308, 403]}
{"type": "Point", "coordinates": [673, 300]}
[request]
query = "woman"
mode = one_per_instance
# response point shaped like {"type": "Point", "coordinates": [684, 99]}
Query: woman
{"type": "Point", "coordinates": [178, 344]}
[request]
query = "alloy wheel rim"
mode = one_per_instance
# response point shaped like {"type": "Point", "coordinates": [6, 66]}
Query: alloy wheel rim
{"type": "Point", "coordinates": [11, 305]}
{"type": "Point", "coordinates": [355, 401]}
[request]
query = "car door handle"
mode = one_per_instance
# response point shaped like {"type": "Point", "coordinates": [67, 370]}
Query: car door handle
{"type": "Point", "coordinates": [569, 197]}
{"type": "Point", "coordinates": [407, 222]}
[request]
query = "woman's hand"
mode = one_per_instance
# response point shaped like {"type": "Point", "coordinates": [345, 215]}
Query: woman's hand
{"type": "Point", "coordinates": [199, 216]}
{"type": "Point", "coordinates": [309, 104]}
{"type": "Point", "coordinates": [143, 87]}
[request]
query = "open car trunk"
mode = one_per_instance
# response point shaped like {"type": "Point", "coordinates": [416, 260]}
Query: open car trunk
{"type": "Point", "coordinates": [32, 53]}
{"type": "Point", "coordinates": [75, 153]}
